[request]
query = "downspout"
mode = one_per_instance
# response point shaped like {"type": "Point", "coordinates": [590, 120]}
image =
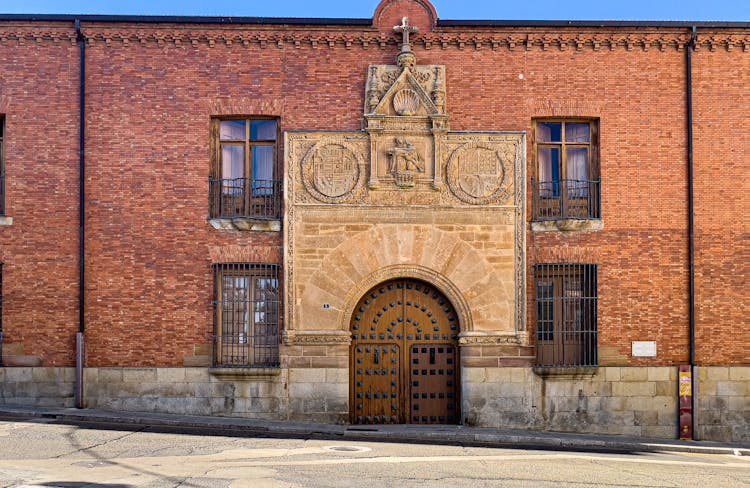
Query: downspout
{"type": "Point", "coordinates": [79, 402]}
{"type": "Point", "coordinates": [691, 228]}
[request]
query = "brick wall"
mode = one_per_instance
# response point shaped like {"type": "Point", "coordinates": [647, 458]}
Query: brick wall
{"type": "Point", "coordinates": [149, 247]}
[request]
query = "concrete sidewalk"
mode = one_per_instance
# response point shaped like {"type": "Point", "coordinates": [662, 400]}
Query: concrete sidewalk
{"type": "Point", "coordinates": [431, 434]}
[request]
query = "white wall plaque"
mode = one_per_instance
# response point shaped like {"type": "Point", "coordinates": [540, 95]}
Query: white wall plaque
{"type": "Point", "coordinates": [645, 349]}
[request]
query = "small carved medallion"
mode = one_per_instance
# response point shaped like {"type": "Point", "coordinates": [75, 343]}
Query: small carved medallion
{"type": "Point", "coordinates": [476, 173]}
{"type": "Point", "coordinates": [331, 171]}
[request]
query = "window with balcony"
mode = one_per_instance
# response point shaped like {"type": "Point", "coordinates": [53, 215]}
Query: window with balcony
{"type": "Point", "coordinates": [245, 183]}
{"type": "Point", "coordinates": [566, 184]}
{"type": "Point", "coordinates": [566, 310]}
{"type": "Point", "coordinates": [246, 315]}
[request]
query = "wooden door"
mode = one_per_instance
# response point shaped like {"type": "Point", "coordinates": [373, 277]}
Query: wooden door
{"type": "Point", "coordinates": [404, 356]}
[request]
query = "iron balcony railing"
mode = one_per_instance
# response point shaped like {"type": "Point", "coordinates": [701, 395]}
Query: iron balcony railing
{"type": "Point", "coordinates": [244, 198]}
{"type": "Point", "coordinates": [246, 350]}
{"type": "Point", "coordinates": [566, 199]}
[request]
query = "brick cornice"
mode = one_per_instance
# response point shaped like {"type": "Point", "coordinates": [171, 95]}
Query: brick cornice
{"type": "Point", "coordinates": [510, 39]}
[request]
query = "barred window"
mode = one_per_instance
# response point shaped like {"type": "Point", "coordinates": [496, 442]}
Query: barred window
{"type": "Point", "coordinates": [247, 315]}
{"type": "Point", "coordinates": [566, 308]}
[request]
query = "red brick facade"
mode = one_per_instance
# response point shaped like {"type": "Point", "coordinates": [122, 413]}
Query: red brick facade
{"type": "Point", "coordinates": [151, 90]}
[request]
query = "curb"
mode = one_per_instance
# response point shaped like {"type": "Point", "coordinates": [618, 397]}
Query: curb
{"type": "Point", "coordinates": [459, 435]}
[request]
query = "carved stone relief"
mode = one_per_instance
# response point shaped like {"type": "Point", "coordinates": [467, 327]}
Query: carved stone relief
{"type": "Point", "coordinates": [331, 171]}
{"type": "Point", "coordinates": [405, 153]}
{"type": "Point", "coordinates": [476, 171]}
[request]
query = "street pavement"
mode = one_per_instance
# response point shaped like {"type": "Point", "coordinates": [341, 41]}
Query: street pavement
{"type": "Point", "coordinates": [426, 434]}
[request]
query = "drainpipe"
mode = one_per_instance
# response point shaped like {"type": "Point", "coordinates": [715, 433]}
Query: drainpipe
{"type": "Point", "coordinates": [79, 403]}
{"type": "Point", "coordinates": [690, 403]}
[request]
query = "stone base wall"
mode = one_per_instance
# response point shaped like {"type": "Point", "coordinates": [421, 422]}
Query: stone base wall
{"type": "Point", "coordinates": [636, 401]}
{"type": "Point", "coordinates": [724, 403]}
{"type": "Point", "coordinates": [44, 387]}
{"type": "Point", "coordinates": [616, 400]}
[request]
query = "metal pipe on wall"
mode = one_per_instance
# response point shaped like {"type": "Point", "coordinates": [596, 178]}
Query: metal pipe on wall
{"type": "Point", "coordinates": [80, 349]}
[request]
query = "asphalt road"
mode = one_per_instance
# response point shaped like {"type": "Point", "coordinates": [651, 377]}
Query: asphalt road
{"type": "Point", "coordinates": [45, 453]}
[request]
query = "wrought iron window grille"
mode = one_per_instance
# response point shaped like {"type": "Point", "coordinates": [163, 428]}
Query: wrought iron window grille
{"type": "Point", "coordinates": [566, 315]}
{"type": "Point", "coordinates": [247, 315]}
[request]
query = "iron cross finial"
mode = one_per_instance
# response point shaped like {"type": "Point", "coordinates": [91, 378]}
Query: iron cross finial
{"type": "Point", "coordinates": [405, 29]}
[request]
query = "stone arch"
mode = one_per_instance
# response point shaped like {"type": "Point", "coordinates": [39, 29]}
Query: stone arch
{"type": "Point", "coordinates": [480, 292]}
{"type": "Point", "coordinates": [444, 285]}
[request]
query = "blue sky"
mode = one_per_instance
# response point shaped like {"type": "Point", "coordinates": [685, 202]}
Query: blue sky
{"type": "Point", "coordinates": [447, 9]}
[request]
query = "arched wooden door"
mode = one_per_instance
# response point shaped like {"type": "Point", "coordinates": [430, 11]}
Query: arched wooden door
{"type": "Point", "coordinates": [404, 356]}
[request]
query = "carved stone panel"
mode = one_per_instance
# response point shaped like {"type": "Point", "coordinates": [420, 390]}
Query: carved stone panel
{"type": "Point", "coordinates": [480, 168]}
{"type": "Point", "coordinates": [331, 170]}
{"type": "Point", "coordinates": [392, 80]}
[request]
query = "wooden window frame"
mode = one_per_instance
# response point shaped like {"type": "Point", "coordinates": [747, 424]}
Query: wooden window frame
{"type": "Point", "coordinates": [249, 197]}
{"type": "Point", "coordinates": [253, 343]}
{"type": "Point", "coordinates": [566, 326]}
{"type": "Point", "coordinates": [560, 194]}
{"type": "Point", "coordinates": [217, 144]}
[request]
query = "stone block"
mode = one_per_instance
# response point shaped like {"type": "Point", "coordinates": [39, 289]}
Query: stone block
{"type": "Point", "coordinates": [170, 375]}
{"type": "Point", "coordinates": [716, 373]}
{"type": "Point", "coordinates": [314, 351]}
{"type": "Point", "coordinates": [630, 389]}
{"type": "Point", "coordinates": [335, 405]}
{"type": "Point", "coordinates": [293, 362]}
{"type": "Point", "coordinates": [110, 375]}
{"type": "Point", "coordinates": [44, 375]}
{"type": "Point", "coordinates": [612, 373]}
{"type": "Point", "coordinates": [18, 375]}
{"type": "Point", "coordinates": [718, 433]}
{"type": "Point", "coordinates": [473, 375]}
{"type": "Point", "coordinates": [513, 390]}
{"type": "Point", "coordinates": [739, 373]}
{"type": "Point", "coordinates": [314, 405]}
{"type": "Point", "coordinates": [329, 362]}
{"type": "Point", "coordinates": [634, 374]}
{"type": "Point", "coordinates": [666, 388]}
{"type": "Point", "coordinates": [659, 431]}
{"type": "Point", "coordinates": [741, 433]}
{"type": "Point", "coordinates": [666, 417]}
{"type": "Point", "coordinates": [307, 375]}
{"type": "Point", "coordinates": [299, 391]}
{"type": "Point", "coordinates": [519, 375]}
{"type": "Point", "coordinates": [659, 373]}
{"type": "Point", "coordinates": [499, 375]}
{"type": "Point", "coordinates": [646, 417]}
{"type": "Point", "coordinates": [337, 375]}
{"type": "Point", "coordinates": [67, 374]}
{"type": "Point", "coordinates": [732, 388]}
{"type": "Point", "coordinates": [196, 361]}
{"type": "Point", "coordinates": [197, 375]}
{"type": "Point", "coordinates": [203, 390]}
{"type": "Point", "coordinates": [707, 387]}
{"type": "Point", "coordinates": [473, 362]}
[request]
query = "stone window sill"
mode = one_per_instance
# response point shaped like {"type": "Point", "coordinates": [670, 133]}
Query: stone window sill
{"type": "Point", "coordinates": [246, 224]}
{"type": "Point", "coordinates": [6, 220]}
{"type": "Point", "coordinates": [567, 225]}
{"type": "Point", "coordinates": [230, 373]}
{"type": "Point", "coordinates": [566, 372]}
